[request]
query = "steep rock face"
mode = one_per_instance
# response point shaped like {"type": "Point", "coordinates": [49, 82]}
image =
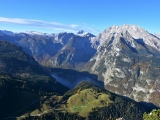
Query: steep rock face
{"type": "Point", "coordinates": [127, 61]}
{"type": "Point", "coordinates": [44, 47]}
{"type": "Point", "coordinates": [18, 68]}
{"type": "Point", "coordinates": [65, 50]}
{"type": "Point", "coordinates": [75, 53]}
{"type": "Point", "coordinates": [40, 46]}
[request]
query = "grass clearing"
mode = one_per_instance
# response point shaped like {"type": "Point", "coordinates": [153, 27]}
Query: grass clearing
{"type": "Point", "coordinates": [37, 111]}
{"type": "Point", "coordinates": [83, 102]}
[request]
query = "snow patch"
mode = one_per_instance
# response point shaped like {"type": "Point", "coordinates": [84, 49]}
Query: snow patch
{"type": "Point", "coordinates": [126, 60]}
{"type": "Point", "coordinates": [119, 73]}
{"type": "Point", "coordinates": [141, 72]}
{"type": "Point", "coordinates": [151, 90]}
{"type": "Point", "coordinates": [149, 81]}
{"type": "Point", "coordinates": [138, 88]}
{"type": "Point", "coordinates": [38, 33]}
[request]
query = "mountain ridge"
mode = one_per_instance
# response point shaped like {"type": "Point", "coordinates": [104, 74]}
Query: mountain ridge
{"type": "Point", "coordinates": [124, 57]}
{"type": "Point", "coordinates": [120, 61]}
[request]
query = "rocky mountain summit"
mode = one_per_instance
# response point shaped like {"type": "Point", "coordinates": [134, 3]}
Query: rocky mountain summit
{"type": "Point", "coordinates": [127, 61]}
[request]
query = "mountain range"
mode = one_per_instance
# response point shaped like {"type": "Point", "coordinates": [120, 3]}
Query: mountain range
{"type": "Point", "coordinates": [27, 91]}
{"type": "Point", "coordinates": [125, 58]}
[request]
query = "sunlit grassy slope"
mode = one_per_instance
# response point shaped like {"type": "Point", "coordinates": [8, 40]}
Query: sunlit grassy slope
{"type": "Point", "coordinates": [84, 101]}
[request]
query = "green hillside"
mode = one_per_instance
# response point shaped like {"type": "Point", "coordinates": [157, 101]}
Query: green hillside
{"type": "Point", "coordinates": [86, 102]}
{"type": "Point", "coordinates": [153, 115]}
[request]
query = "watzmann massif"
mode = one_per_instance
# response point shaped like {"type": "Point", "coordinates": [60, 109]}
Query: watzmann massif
{"type": "Point", "coordinates": [125, 58]}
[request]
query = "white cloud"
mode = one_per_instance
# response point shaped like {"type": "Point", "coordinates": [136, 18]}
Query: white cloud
{"type": "Point", "coordinates": [74, 25]}
{"type": "Point", "coordinates": [48, 25]}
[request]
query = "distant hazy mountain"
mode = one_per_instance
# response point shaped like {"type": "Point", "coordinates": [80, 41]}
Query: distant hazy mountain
{"type": "Point", "coordinates": [125, 57]}
{"type": "Point", "coordinates": [55, 50]}
{"type": "Point", "coordinates": [6, 32]}
{"type": "Point", "coordinates": [75, 53]}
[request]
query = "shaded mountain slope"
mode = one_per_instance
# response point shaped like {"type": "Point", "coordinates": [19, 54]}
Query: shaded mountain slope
{"type": "Point", "coordinates": [14, 61]}
{"type": "Point", "coordinates": [17, 63]}
{"type": "Point", "coordinates": [54, 50]}
{"type": "Point", "coordinates": [75, 53]}
{"type": "Point", "coordinates": [20, 78]}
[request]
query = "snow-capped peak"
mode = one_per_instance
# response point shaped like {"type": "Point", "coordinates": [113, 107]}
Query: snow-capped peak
{"type": "Point", "coordinates": [84, 34]}
{"type": "Point", "coordinates": [80, 32]}
{"type": "Point", "coordinates": [37, 33]}
{"type": "Point", "coordinates": [134, 30]}
{"type": "Point", "coordinates": [131, 33]}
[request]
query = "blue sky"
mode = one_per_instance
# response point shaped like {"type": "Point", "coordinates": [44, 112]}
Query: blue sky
{"type": "Point", "coordinates": [53, 16]}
